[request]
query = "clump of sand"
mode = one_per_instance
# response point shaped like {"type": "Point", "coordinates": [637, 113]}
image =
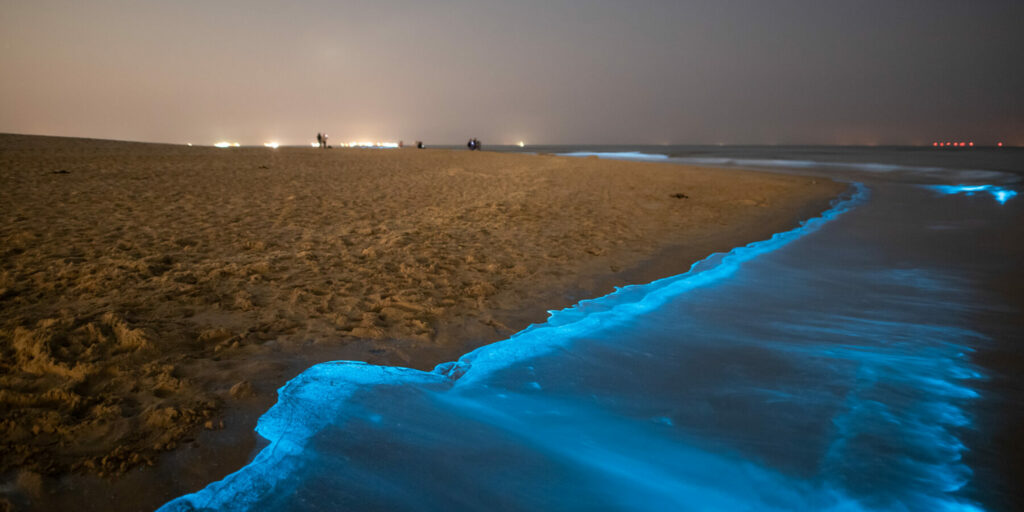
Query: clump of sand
{"type": "Point", "coordinates": [147, 285]}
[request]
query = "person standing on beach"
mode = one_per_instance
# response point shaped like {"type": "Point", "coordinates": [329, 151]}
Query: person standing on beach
{"type": "Point", "coordinates": [319, 140]}
{"type": "Point", "coordinates": [324, 144]}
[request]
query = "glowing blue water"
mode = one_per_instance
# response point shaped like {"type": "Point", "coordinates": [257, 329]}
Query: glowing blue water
{"type": "Point", "coordinates": [828, 368]}
{"type": "Point", "coordinates": [1001, 194]}
{"type": "Point", "coordinates": [620, 155]}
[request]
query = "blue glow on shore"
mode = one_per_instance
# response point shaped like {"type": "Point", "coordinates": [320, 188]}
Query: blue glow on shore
{"type": "Point", "coordinates": [314, 398]}
{"type": "Point", "coordinates": [846, 401]}
{"type": "Point", "coordinates": [1001, 194]}
{"type": "Point", "coordinates": [620, 155]}
{"type": "Point", "coordinates": [627, 302]}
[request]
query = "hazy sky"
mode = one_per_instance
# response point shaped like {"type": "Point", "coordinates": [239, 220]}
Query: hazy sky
{"type": "Point", "coordinates": [548, 71]}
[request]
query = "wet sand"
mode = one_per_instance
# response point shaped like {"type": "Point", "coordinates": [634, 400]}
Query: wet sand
{"type": "Point", "coordinates": [153, 297]}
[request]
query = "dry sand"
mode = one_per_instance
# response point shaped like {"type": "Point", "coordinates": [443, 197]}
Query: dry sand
{"type": "Point", "coordinates": [144, 287]}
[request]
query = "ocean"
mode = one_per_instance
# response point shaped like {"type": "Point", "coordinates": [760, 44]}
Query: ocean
{"type": "Point", "coordinates": [869, 359]}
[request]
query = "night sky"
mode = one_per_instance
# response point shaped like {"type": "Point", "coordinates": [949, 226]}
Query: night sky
{"type": "Point", "coordinates": [571, 71]}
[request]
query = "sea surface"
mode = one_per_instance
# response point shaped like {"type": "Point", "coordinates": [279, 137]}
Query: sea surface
{"type": "Point", "coordinates": [870, 359]}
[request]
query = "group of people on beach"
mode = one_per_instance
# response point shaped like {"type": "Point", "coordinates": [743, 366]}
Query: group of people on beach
{"type": "Point", "coordinates": [473, 144]}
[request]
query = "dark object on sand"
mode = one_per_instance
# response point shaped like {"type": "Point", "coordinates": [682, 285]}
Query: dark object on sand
{"type": "Point", "coordinates": [62, 171]}
{"type": "Point", "coordinates": [680, 195]}
{"type": "Point", "coordinates": [474, 144]}
{"type": "Point", "coordinates": [419, 144]}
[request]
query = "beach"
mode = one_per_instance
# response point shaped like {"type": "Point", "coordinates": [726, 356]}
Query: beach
{"type": "Point", "coordinates": [146, 289]}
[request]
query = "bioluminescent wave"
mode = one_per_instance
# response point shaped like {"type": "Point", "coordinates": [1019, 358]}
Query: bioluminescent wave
{"type": "Point", "coordinates": [1001, 194]}
{"type": "Point", "coordinates": [626, 303]}
{"type": "Point", "coordinates": [756, 381]}
{"type": "Point", "coordinates": [317, 397]}
{"type": "Point", "coordinates": [619, 155]}
{"type": "Point", "coordinates": [831, 367]}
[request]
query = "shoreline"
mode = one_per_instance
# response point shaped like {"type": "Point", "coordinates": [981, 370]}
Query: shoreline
{"type": "Point", "coordinates": [506, 312]}
{"type": "Point", "coordinates": [342, 377]}
{"type": "Point", "coordinates": [243, 443]}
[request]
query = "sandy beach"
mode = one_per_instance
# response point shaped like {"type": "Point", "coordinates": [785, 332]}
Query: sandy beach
{"type": "Point", "coordinates": [145, 289]}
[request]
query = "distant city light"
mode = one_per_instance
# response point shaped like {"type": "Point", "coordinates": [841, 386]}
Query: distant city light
{"type": "Point", "coordinates": [999, 144]}
{"type": "Point", "coordinates": [272, 145]}
{"type": "Point", "coordinates": [223, 144]}
{"type": "Point", "coordinates": [369, 144]}
{"type": "Point", "coordinates": [956, 144]}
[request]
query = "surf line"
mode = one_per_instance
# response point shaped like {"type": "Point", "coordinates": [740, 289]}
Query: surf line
{"type": "Point", "coordinates": [315, 398]}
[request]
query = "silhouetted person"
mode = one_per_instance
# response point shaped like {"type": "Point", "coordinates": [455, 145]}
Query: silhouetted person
{"type": "Point", "coordinates": [473, 144]}
{"type": "Point", "coordinates": [419, 144]}
{"type": "Point", "coordinates": [319, 140]}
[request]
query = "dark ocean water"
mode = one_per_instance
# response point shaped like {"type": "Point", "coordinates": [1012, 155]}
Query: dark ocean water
{"type": "Point", "coordinates": [896, 163]}
{"type": "Point", "coordinates": [868, 360]}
